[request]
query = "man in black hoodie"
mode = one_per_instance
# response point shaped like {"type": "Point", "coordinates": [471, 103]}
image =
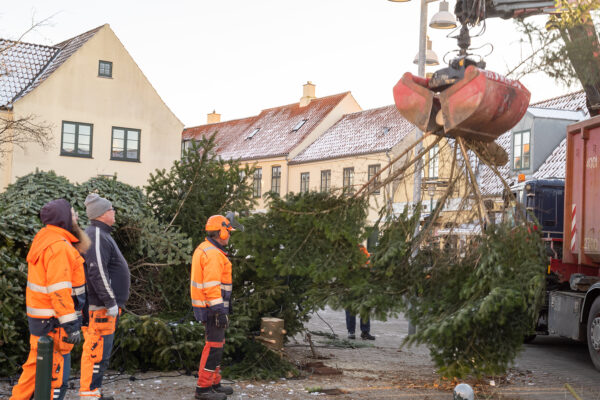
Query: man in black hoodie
{"type": "Point", "coordinates": [107, 280]}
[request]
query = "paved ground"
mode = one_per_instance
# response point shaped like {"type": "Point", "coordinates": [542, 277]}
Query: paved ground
{"type": "Point", "coordinates": [384, 371]}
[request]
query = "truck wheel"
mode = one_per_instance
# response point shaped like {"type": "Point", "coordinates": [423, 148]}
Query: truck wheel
{"type": "Point", "coordinates": [529, 338]}
{"type": "Point", "coordinates": [593, 333]}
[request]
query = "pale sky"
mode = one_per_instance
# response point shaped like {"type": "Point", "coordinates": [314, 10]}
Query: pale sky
{"type": "Point", "coordinates": [239, 57]}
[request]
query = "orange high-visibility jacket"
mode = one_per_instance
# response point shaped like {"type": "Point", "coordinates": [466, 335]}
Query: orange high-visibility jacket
{"type": "Point", "coordinates": [55, 273]}
{"type": "Point", "coordinates": [211, 282]}
{"type": "Point", "coordinates": [364, 250]}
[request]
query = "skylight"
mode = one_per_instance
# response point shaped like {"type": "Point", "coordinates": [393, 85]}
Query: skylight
{"type": "Point", "coordinates": [386, 129]}
{"type": "Point", "coordinates": [298, 125]}
{"type": "Point", "coordinates": [252, 133]}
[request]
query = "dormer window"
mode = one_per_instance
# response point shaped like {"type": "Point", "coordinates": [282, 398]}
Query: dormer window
{"type": "Point", "coordinates": [254, 132]}
{"type": "Point", "coordinates": [105, 69]}
{"type": "Point", "coordinates": [298, 125]}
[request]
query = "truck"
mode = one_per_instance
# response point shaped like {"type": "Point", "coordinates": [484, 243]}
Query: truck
{"type": "Point", "coordinates": [464, 101]}
{"type": "Point", "coordinates": [568, 216]}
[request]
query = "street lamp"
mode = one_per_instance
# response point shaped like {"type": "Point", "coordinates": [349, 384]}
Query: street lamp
{"type": "Point", "coordinates": [443, 19]}
{"type": "Point", "coordinates": [421, 72]}
{"type": "Point", "coordinates": [430, 57]}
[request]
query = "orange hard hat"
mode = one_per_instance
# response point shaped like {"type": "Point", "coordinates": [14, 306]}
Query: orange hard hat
{"type": "Point", "coordinates": [223, 224]}
{"type": "Point", "coordinates": [218, 222]}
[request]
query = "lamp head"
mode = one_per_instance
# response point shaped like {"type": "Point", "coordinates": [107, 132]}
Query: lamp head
{"type": "Point", "coordinates": [443, 19]}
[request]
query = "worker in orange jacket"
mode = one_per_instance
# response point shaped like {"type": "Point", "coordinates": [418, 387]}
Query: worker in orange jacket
{"type": "Point", "coordinates": [211, 286]}
{"type": "Point", "coordinates": [55, 293]}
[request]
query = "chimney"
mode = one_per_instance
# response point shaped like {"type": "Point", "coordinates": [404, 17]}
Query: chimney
{"type": "Point", "coordinates": [308, 93]}
{"type": "Point", "coordinates": [213, 118]}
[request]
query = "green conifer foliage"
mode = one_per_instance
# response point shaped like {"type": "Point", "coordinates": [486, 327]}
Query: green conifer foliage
{"type": "Point", "coordinates": [198, 186]}
{"type": "Point", "coordinates": [288, 260]}
{"type": "Point", "coordinates": [473, 311]}
{"type": "Point", "coordinates": [153, 251]}
{"type": "Point", "coordinates": [20, 205]}
{"type": "Point", "coordinates": [158, 256]}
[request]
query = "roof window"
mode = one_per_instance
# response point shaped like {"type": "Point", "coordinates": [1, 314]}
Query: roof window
{"type": "Point", "coordinates": [254, 132]}
{"type": "Point", "coordinates": [297, 127]}
{"type": "Point", "coordinates": [386, 129]}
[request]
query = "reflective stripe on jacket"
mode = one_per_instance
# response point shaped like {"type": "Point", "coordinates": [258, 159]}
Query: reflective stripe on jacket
{"type": "Point", "coordinates": [106, 270]}
{"type": "Point", "coordinates": [55, 273]}
{"type": "Point", "coordinates": [211, 282]}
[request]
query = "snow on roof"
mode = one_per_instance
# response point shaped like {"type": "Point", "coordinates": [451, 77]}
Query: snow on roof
{"type": "Point", "coordinates": [553, 113]}
{"type": "Point", "coordinates": [362, 132]}
{"type": "Point", "coordinates": [572, 101]}
{"type": "Point", "coordinates": [554, 166]}
{"type": "Point", "coordinates": [569, 106]}
{"type": "Point", "coordinates": [24, 66]}
{"type": "Point", "coordinates": [20, 64]}
{"type": "Point", "coordinates": [276, 135]}
{"type": "Point", "coordinates": [490, 183]}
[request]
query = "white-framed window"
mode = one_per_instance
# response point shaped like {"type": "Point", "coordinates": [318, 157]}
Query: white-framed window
{"type": "Point", "coordinates": [521, 150]}
{"type": "Point", "coordinates": [304, 182]}
{"type": "Point", "coordinates": [374, 170]}
{"type": "Point", "coordinates": [348, 179]}
{"type": "Point", "coordinates": [326, 180]}
{"type": "Point", "coordinates": [434, 161]}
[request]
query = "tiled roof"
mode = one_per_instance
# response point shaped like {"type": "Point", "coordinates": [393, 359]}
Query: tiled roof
{"type": "Point", "coordinates": [359, 133]}
{"type": "Point", "coordinates": [24, 66]}
{"type": "Point", "coordinates": [489, 183]}
{"type": "Point", "coordinates": [572, 101]}
{"type": "Point", "coordinates": [554, 166]}
{"type": "Point", "coordinates": [275, 136]}
{"type": "Point", "coordinates": [20, 64]}
{"type": "Point", "coordinates": [227, 131]}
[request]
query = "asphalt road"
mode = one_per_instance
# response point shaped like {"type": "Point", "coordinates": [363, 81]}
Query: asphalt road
{"type": "Point", "coordinates": [540, 371]}
{"type": "Point", "coordinates": [383, 370]}
{"type": "Point", "coordinates": [559, 360]}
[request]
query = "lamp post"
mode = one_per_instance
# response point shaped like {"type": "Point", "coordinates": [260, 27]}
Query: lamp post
{"type": "Point", "coordinates": [441, 20]}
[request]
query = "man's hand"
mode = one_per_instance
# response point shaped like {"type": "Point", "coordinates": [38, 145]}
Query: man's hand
{"type": "Point", "coordinates": [221, 320]}
{"type": "Point", "coordinates": [73, 337]}
{"type": "Point", "coordinates": [113, 311]}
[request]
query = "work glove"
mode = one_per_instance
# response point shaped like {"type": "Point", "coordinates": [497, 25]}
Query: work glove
{"type": "Point", "coordinates": [221, 321]}
{"type": "Point", "coordinates": [113, 311]}
{"type": "Point", "coordinates": [73, 337]}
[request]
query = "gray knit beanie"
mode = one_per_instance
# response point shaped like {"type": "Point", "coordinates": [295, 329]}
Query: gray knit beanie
{"type": "Point", "coordinates": [95, 205]}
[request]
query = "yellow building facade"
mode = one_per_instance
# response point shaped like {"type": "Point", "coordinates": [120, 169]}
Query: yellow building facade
{"type": "Point", "coordinates": [269, 140]}
{"type": "Point", "coordinates": [105, 116]}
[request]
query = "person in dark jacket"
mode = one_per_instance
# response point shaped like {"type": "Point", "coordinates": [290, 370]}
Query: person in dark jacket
{"type": "Point", "coordinates": [107, 280]}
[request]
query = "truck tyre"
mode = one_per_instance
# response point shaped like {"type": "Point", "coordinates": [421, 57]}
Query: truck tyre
{"type": "Point", "coordinates": [593, 333]}
{"type": "Point", "coordinates": [529, 338]}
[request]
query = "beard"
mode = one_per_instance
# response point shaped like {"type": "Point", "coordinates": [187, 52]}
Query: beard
{"type": "Point", "coordinates": [84, 240]}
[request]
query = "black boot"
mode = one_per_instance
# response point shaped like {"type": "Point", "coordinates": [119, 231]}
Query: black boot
{"type": "Point", "coordinates": [223, 389]}
{"type": "Point", "coordinates": [209, 394]}
{"type": "Point", "coordinates": [367, 336]}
